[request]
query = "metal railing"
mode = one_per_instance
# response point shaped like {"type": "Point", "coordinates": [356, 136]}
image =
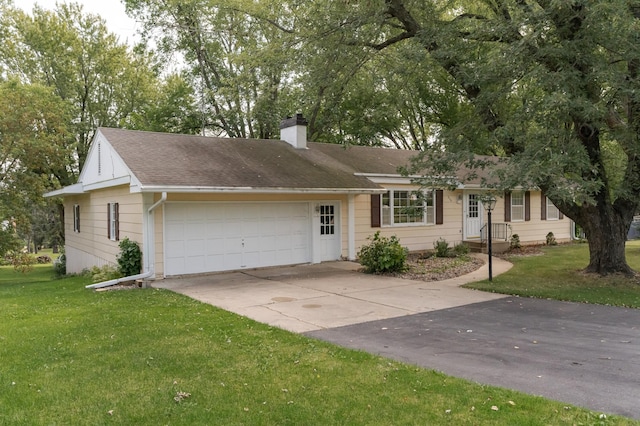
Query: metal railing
{"type": "Point", "coordinates": [499, 232]}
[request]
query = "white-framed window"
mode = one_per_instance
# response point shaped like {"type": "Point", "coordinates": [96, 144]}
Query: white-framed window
{"type": "Point", "coordinates": [113, 221]}
{"type": "Point", "coordinates": [76, 218]}
{"type": "Point", "coordinates": [406, 207]}
{"type": "Point", "coordinates": [517, 206]}
{"type": "Point", "coordinates": [552, 211]}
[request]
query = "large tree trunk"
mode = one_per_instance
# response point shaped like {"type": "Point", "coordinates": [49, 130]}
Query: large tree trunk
{"type": "Point", "coordinates": [607, 235]}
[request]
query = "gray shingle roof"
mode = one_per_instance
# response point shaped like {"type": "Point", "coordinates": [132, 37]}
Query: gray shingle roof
{"type": "Point", "coordinates": [163, 159]}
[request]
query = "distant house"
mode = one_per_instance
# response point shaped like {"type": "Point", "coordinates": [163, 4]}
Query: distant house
{"type": "Point", "coordinates": [202, 204]}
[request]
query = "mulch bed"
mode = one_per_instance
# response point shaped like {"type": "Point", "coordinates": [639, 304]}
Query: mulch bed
{"type": "Point", "coordinates": [426, 267]}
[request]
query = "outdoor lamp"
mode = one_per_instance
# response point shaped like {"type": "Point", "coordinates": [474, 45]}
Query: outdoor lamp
{"type": "Point", "coordinates": [489, 203]}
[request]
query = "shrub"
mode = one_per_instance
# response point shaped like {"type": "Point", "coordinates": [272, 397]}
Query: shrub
{"type": "Point", "coordinates": [130, 258]}
{"type": "Point", "coordinates": [22, 262]}
{"type": "Point", "coordinates": [551, 239]}
{"type": "Point", "coordinates": [441, 247]}
{"type": "Point", "coordinates": [60, 266]}
{"type": "Point", "coordinates": [515, 242]}
{"type": "Point", "coordinates": [461, 249]}
{"type": "Point", "coordinates": [383, 255]}
{"type": "Point", "coordinates": [100, 274]}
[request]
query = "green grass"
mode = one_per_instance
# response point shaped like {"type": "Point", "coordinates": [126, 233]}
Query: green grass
{"type": "Point", "coordinates": [556, 274]}
{"type": "Point", "coordinates": [73, 356]}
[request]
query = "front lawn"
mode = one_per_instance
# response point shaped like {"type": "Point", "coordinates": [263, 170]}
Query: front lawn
{"type": "Point", "coordinates": [556, 274]}
{"type": "Point", "coordinates": [74, 356]}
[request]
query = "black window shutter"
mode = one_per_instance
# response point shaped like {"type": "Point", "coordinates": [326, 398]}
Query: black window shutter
{"type": "Point", "coordinates": [507, 207]}
{"type": "Point", "coordinates": [375, 210]}
{"type": "Point", "coordinates": [527, 206]}
{"type": "Point", "coordinates": [439, 207]}
{"type": "Point", "coordinates": [109, 220]}
{"type": "Point", "coordinates": [77, 217]}
{"type": "Point", "coordinates": [543, 207]}
{"type": "Point", "coordinates": [117, 215]}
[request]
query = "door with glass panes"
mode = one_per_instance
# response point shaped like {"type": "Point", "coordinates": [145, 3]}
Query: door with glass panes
{"type": "Point", "coordinates": [329, 231]}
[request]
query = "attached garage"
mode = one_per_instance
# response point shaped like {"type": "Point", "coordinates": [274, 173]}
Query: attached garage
{"type": "Point", "coordinates": [210, 237]}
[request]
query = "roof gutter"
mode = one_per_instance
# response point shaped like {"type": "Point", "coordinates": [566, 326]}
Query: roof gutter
{"type": "Point", "coordinates": [148, 243]}
{"type": "Point", "coordinates": [254, 190]}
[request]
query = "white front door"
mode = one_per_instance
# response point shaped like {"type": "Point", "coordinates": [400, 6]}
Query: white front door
{"type": "Point", "coordinates": [330, 230]}
{"type": "Point", "coordinates": [472, 216]}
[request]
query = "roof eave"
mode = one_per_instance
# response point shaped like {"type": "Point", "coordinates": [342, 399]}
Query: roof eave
{"type": "Point", "coordinates": [75, 189]}
{"type": "Point", "coordinates": [253, 190]}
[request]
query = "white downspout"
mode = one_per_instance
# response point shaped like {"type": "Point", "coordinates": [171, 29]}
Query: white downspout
{"type": "Point", "coordinates": [149, 242]}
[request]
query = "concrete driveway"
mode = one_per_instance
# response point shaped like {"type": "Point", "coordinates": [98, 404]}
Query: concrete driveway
{"type": "Point", "coordinates": [311, 297]}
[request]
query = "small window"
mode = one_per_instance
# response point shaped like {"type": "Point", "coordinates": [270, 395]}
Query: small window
{"type": "Point", "coordinates": [401, 207]}
{"type": "Point", "coordinates": [113, 221]}
{"type": "Point", "coordinates": [517, 206]}
{"type": "Point", "coordinates": [552, 211]}
{"type": "Point", "coordinates": [327, 220]}
{"type": "Point", "coordinates": [76, 218]}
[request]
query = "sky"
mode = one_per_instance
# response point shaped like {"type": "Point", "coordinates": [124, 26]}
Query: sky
{"type": "Point", "coordinates": [112, 11]}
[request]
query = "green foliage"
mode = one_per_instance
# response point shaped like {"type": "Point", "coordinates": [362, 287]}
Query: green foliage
{"type": "Point", "coordinates": [99, 274]}
{"type": "Point", "coordinates": [551, 239]}
{"type": "Point", "coordinates": [130, 258]}
{"type": "Point", "coordinates": [383, 254]}
{"type": "Point", "coordinates": [441, 247]}
{"type": "Point", "coordinates": [461, 249]}
{"type": "Point", "coordinates": [9, 242]}
{"type": "Point", "coordinates": [60, 266]}
{"type": "Point", "coordinates": [22, 262]}
{"type": "Point", "coordinates": [514, 243]}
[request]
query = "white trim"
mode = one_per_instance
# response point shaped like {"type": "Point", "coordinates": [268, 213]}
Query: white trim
{"type": "Point", "coordinates": [524, 206]}
{"type": "Point", "coordinates": [351, 227]}
{"type": "Point", "coordinates": [253, 190]}
{"type": "Point", "coordinates": [424, 221]}
{"type": "Point", "coordinates": [124, 180]}
{"type": "Point", "coordinates": [75, 189]}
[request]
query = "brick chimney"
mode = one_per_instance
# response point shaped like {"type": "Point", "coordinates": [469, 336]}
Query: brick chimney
{"type": "Point", "coordinates": [294, 131]}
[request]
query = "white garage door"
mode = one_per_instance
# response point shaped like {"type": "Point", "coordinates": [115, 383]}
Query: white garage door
{"type": "Point", "coordinates": [208, 237]}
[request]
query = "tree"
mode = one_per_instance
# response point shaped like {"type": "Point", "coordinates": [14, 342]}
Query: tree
{"type": "Point", "coordinates": [32, 146]}
{"type": "Point", "coordinates": [549, 86]}
{"type": "Point", "coordinates": [104, 82]}
{"type": "Point", "coordinates": [236, 55]}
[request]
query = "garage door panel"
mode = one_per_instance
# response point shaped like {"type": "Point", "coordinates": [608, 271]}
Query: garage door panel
{"type": "Point", "coordinates": [211, 237]}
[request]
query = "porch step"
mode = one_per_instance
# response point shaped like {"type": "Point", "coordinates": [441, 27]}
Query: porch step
{"type": "Point", "coordinates": [476, 246]}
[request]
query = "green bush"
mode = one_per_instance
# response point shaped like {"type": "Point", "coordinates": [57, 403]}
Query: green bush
{"type": "Point", "coordinates": [461, 249]}
{"type": "Point", "coordinates": [100, 274]}
{"type": "Point", "coordinates": [60, 266]}
{"type": "Point", "coordinates": [515, 242]}
{"type": "Point", "coordinates": [130, 258]}
{"type": "Point", "coordinates": [551, 239]}
{"type": "Point", "coordinates": [383, 255]}
{"type": "Point", "coordinates": [441, 248]}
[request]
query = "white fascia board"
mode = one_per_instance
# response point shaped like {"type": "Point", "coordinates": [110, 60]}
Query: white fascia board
{"type": "Point", "coordinates": [250, 190]}
{"type": "Point", "coordinates": [75, 189]}
{"type": "Point", "coordinates": [124, 180]}
{"type": "Point", "coordinates": [383, 179]}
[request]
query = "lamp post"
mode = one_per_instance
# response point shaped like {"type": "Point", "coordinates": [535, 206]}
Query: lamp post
{"type": "Point", "coordinates": [489, 203]}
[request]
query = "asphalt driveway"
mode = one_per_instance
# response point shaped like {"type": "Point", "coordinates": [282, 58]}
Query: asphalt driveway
{"type": "Point", "coordinates": [586, 355]}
